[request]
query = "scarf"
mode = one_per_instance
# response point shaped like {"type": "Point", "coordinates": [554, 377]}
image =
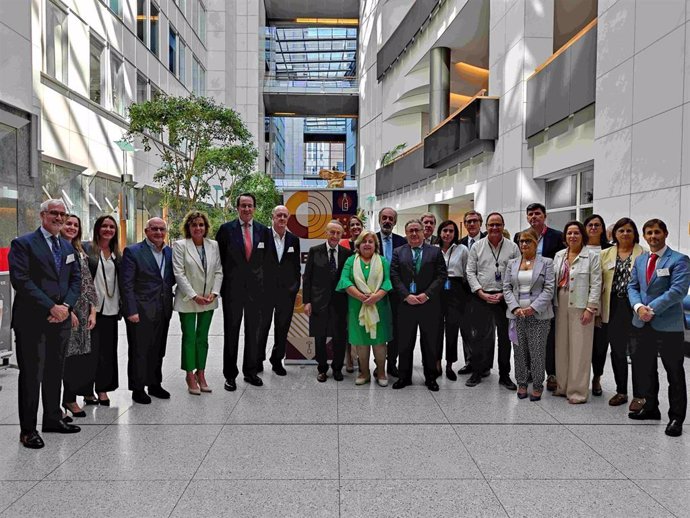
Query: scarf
{"type": "Point", "coordinates": [369, 314]}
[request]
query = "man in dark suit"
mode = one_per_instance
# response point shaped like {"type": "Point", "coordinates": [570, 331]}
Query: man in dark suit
{"type": "Point", "coordinates": [44, 271]}
{"type": "Point", "coordinates": [389, 241]}
{"type": "Point", "coordinates": [146, 284]}
{"type": "Point", "coordinates": [283, 276]}
{"type": "Point", "coordinates": [472, 220]}
{"type": "Point", "coordinates": [550, 242]}
{"type": "Point", "coordinates": [658, 284]}
{"type": "Point", "coordinates": [418, 272]}
{"type": "Point", "coordinates": [242, 244]}
{"type": "Point", "coordinates": [326, 308]}
{"type": "Point", "coordinates": [429, 222]}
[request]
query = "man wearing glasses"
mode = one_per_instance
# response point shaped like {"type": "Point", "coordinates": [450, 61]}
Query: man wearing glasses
{"type": "Point", "coordinates": [46, 277]}
{"type": "Point", "coordinates": [473, 224]}
{"type": "Point", "coordinates": [146, 282]}
{"type": "Point", "coordinates": [485, 273]}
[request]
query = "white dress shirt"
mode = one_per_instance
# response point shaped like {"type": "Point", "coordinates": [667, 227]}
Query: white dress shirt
{"type": "Point", "coordinates": [105, 282]}
{"type": "Point", "coordinates": [456, 260]}
{"type": "Point", "coordinates": [481, 264]}
{"type": "Point", "coordinates": [280, 243]}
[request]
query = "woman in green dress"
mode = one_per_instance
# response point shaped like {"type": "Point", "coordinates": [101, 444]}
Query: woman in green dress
{"type": "Point", "coordinates": [366, 279]}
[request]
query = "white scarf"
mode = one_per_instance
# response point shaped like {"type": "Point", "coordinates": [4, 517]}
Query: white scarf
{"type": "Point", "coordinates": [368, 313]}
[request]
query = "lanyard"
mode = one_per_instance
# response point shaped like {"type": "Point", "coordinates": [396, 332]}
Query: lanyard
{"type": "Point", "coordinates": [105, 280]}
{"type": "Point", "coordinates": [496, 256]}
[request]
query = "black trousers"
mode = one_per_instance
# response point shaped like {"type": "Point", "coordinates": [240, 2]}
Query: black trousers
{"type": "Point", "coordinates": [392, 350]}
{"type": "Point", "coordinates": [647, 343]}
{"type": "Point", "coordinates": [453, 303]}
{"type": "Point", "coordinates": [235, 307]}
{"type": "Point", "coordinates": [279, 310]}
{"type": "Point", "coordinates": [424, 317]}
{"type": "Point", "coordinates": [147, 342]}
{"type": "Point", "coordinates": [77, 378]}
{"type": "Point", "coordinates": [335, 322]}
{"type": "Point", "coordinates": [40, 357]}
{"type": "Point", "coordinates": [599, 349]}
{"type": "Point", "coordinates": [551, 349]}
{"type": "Point", "coordinates": [104, 348]}
{"type": "Point", "coordinates": [466, 331]}
{"type": "Point", "coordinates": [489, 320]}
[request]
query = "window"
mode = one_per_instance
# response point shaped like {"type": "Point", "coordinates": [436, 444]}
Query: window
{"type": "Point", "coordinates": [116, 7]}
{"type": "Point", "coordinates": [182, 63]}
{"type": "Point", "coordinates": [56, 42]}
{"type": "Point", "coordinates": [324, 155]}
{"type": "Point", "coordinates": [148, 18]}
{"type": "Point", "coordinates": [154, 18]}
{"type": "Point", "coordinates": [117, 82]}
{"type": "Point", "coordinates": [201, 27]}
{"type": "Point", "coordinates": [196, 77]}
{"type": "Point", "coordinates": [570, 197]}
{"type": "Point", "coordinates": [172, 52]}
{"type": "Point", "coordinates": [96, 71]}
{"type": "Point", "coordinates": [142, 88]}
{"type": "Point", "coordinates": [141, 20]}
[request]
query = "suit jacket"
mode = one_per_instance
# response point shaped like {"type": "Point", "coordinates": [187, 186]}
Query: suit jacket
{"type": "Point", "coordinates": [398, 241]}
{"type": "Point", "coordinates": [142, 288]}
{"type": "Point", "coordinates": [541, 289]}
{"type": "Point", "coordinates": [242, 278]}
{"type": "Point", "coordinates": [665, 291]}
{"type": "Point", "coordinates": [434, 240]}
{"type": "Point", "coordinates": [430, 279]}
{"type": "Point", "coordinates": [191, 276]}
{"type": "Point", "coordinates": [319, 285]}
{"type": "Point", "coordinates": [585, 278]}
{"type": "Point", "coordinates": [36, 281]}
{"type": "Point", "coordinates": [552, 242]}
{"type": "Point", "coordinates": [466, 240]}
{"type": "Point", "coordinates": [608, 268]}
{"type": "Point", "coordinates": [285, 274]}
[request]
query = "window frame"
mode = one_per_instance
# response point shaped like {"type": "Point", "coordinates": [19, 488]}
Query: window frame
{"type": "Point", "coordinates": [173, 50]}
{"type": "Point", "coordinates": [94, 38]}
{"type": "Point", "coordinates": [58, 7]}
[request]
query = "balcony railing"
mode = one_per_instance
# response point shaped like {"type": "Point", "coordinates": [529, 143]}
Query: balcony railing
{"type": "Point", "coordinates": [292, 181]}
{"type": "Point", "coordinates": [344, 85]}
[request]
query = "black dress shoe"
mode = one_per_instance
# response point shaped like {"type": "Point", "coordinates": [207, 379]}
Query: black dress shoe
{"type": "Point", "coordinates": [507, 383]}
{"type": "Point", "coordinates": [432, 386]}
{"type": "Point", "coordinates": [674, 428]}
{"type": "Point", "coordinates": [337, 375]}
{"type": "Point", "coordinates": [486, 373]}
{"type": "Point", "coordinates": [89, 402]}
{"type": "Point", "coordinates": [31, 440]}
{"type": "Point", "coordinates": [61, 427]}
{"type": "Point", "coordinates": [645, 414]}
{"type": "Point", "coordinates": [81, 413]}
{"type": "Point", "coordinates": [450, 374]}
{"type": "Point", "coordinates": [393, 371]}
{"type": "Point", "coordinates": [321, 377]}
{"type": "Point", "coordinates": [279, 369]}
{"type": "Point", "coordinates": [159, 392]}
{"type": "Point", "coordinates": [67, 419]}
{"type": "Point", "coordinates": [474, 380]}
{"type": "Point", "coordinates": [401, 383]}
{"type": "Point", "coordinates": [104, 402]}
{"type": "Point", "coordinates": [254, 380]}
{"type": "Point", "coordinates": [467, 369]}
{"type": "Point", "coordinates": [141, 397]}
{"type": "Point", "coordinates": [230, 385]}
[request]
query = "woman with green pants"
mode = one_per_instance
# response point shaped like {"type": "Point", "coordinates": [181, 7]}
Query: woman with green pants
{"type": "Point", "coordinates": [199, 275]}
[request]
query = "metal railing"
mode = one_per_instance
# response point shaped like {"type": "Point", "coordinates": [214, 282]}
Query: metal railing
{"type": "Point", "coordinates": [344, 85]}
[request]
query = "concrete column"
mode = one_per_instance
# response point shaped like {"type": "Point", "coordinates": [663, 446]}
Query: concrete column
{"type": "Point", "coordinates": [439, 82]}
{"type": "Point", "coordinates": [440, 210]}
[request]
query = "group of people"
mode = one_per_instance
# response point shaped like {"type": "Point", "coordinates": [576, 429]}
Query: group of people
{"type": "Point", "coordinates": [558, 298]}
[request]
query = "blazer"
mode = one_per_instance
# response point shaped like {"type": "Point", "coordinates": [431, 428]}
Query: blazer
{"type": "Point", "coordinates": [552, 242]}
{"type": "Point", "coordinates": [466, 240]}
{"type": "Point", "coordinates": [585, 278]}
{"type": "Point", "coordinates": [38, 285]}
{"type": "Point", "coordinates": [142, 288]}
{"type": "Point", "coordinates": [398, 241]}
{"type": "Point", "coordinates": [191, 276]}
{"type": "Point", "coordinates": [431, 277]}
{"type": "Point", "coordinates": [665, 291]}
{"type": "Point", "coordinates": [242, 278]}
{"type": "Point", "coordinates": [319, 285]}
{"type": "Point", "coordinates": [541, 290]}
{"type": "Point", "coordinates": [608, 268]}
{"type": "Point", "coordinates": [285, 274]}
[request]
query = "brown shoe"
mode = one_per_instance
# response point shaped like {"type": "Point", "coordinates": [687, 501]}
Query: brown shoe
{"type": "Point", "coordinates": [551, 383]}
{"type": "Point", "coordinates": [321, 377]}
{"type": "Point", "coordinates": [618, 400]}
{"type": "Point", "coordinates": [636, 404]}
{"type": "Point", "coordinates": [596, 386]}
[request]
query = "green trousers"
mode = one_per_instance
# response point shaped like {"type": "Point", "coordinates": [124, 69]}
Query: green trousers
{"type": "Point", "coordinates": [195, 328]}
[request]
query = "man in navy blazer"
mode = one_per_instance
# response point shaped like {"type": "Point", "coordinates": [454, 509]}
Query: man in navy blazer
{"type": "Point", "coordinates": [418, 272]}
{"type": "Point", "coordinates": [243, 247]}
{"type": "Point", "coordinates": [658, 284]}
{"type": "Point", "coordinates": [146, 283]}
{"type": "Point", "coordinates": [44, 271]}
{"type": "Point", "coordinates": [389, 241]}
{"type": "Point", "coordinates": [283, 277]}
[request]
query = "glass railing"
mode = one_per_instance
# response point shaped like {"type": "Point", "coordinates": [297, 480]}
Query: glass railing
{"type": "Point", "coordinates": [292, 181]}
{"type": "Point", "coordinates": [341, 85]}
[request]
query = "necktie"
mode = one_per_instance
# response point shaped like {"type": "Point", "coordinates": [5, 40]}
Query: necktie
{"type": "Point", "coordinates": [247, 242]}
{"type": "Point", "coordinates": [57, 256]}
{"type": "Point", "coordinates": [651, 266]}
{"type": "Point", "coordinates": [471, 243]}
{"type": "Point", "coordinates": [331, 261]}
{"type": "Point", "coordinates": [388, 248]}
{"type": "Point", "coordinates": [416, 256]}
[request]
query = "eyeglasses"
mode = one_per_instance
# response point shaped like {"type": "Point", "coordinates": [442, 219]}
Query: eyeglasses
{"type": "Point", "coordinates": [472, 222]}
{"type": "Point", "coordinates": [57, 213]}
{"type": "Point", "coordinates": [526, 241]}
{"type": "Point", "coordinates": [494, 225]}
{"type": "Point", "coordinates": [158, 229]}
{"type": "Point", "coordinates": [593, 225]}
{"type": "Point", "coordinates": [414, 230]}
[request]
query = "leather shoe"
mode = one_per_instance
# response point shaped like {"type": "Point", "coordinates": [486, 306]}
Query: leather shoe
{"type": "Point", "coordinates": [61, 427]}
{"type": "Point", "coordinates": [551, 383]}
{"type": "Point", "coordinates": [230, 385]}
{"type": "Point", "coordinates": [393, 371]}
{"type": "Point", "coordinates": [618, 400]}
{"type": "Point", "coordinates": [636, 404]}
{"type": "Point", "coordinates": [467, 369]}
{"type": "Point", "coordinates": [279, 369]}
{"type": "Point", "coordinates": [254, 380]}
{"type": "Point", "coordinates": [322, 377]}
{"type": "Point", "coordinates": [596, 387]}
{"type": "Point", "coordinates": [674, 428]}
{"type": "Point", "coordinates": [141, 397]}
{"type": "Point", "coordinates": [474, 380]}
{"type": "Point", "coordinates": [432, 385]}
{"type": "Point", "coordinates": [337, 375]}
{"type": "Point", "coordinates": [401, 383]}
{"type": "Point", "coordinates": [507, 382]}
{"type": "Point", "coordinates": [31, 440]}
{"type": "Point", "coordinates": [159, 392]}
{"type": "Point", "coordinates": [645, 414]}
{"type": "Point", "coordinates": [486, 373]}
{"type": "Point", "coordinates": [450, 374]}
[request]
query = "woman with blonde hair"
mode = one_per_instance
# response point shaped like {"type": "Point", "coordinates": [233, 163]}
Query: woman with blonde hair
{"type": "Point", "coordinates": [366, 279]}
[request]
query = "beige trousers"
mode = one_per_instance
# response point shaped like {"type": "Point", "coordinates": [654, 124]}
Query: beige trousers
{"type": "Point", "coordinates": [573, 350]}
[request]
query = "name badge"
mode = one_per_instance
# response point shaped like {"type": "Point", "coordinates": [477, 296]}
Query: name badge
{"type": "Point", "coordinates": [611, 266]}
{"type": "Point", "coordinates": [446, 285]}
{"type": "Point", "coordinates": [497, 276]}
{"type": "Point", "coordinates": [663, 272]}
{"type": "Point", "coordinates": [291, 249]}
{"type": "Point", "coordinates": [413, 288]}
{"type": "Point", "coordinates": [261, 245]}
{"type": "Point", "coordinates": [70, 259]}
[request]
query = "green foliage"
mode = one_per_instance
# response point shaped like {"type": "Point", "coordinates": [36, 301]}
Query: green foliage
{"type": "Point", "coordinates": [391, 155]}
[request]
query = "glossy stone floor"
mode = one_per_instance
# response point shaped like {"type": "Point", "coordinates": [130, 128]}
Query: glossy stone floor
{"type": "Point", "coordinates": [296, 447]}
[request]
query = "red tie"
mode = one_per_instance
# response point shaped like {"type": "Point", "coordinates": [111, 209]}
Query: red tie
{"type": "Point", "coordinates": [247, 242]}
{"type": "Point", "coordinates": [651, 266]}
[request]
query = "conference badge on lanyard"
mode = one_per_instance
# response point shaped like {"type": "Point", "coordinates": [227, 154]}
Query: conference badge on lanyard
{"type": "Point", "coordinates": [446, 285]}
{"type": "Point", "coordinates": [413, 288]}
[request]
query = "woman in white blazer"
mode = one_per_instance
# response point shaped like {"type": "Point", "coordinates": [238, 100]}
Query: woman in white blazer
{"type": "Point", "coordinates": [199, 275]}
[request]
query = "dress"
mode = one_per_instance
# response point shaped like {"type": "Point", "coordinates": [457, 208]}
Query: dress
{"type": "Point", "coordinates": [357, 335]}
{"type": "Point", "coordinates": [80, 338]}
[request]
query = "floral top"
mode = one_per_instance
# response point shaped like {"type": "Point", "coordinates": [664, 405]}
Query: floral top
{"type": "Point", "coordinates": [621, 277]}
{"type": "Point", "coordinates": [80, 339]}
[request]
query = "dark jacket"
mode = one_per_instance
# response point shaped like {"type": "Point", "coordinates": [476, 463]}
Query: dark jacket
{"type": "Point", "coordinates": [286, 273]}
{"type": "Point", "coordinates": [466, 240]}
{"type": "Point", "coordinates": [142, 288]}
{"type": "Point", "coordinates": [430, 279]}
{"type": "Point", "coordinates": [319, 284]}
{"type": "Point", "coordinates": [553, 242]}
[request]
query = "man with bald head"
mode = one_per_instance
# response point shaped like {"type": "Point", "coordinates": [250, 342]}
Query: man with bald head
{"type": "Point", "coordinates": [282, 279]}
{"type": "Point", "coordinates": [146, 282]}
{"type": "Point", "coordinates": [327, 309]}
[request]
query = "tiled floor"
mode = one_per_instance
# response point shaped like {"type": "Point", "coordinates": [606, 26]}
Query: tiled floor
{"type": "Point", "coordinates": [296, 447]}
